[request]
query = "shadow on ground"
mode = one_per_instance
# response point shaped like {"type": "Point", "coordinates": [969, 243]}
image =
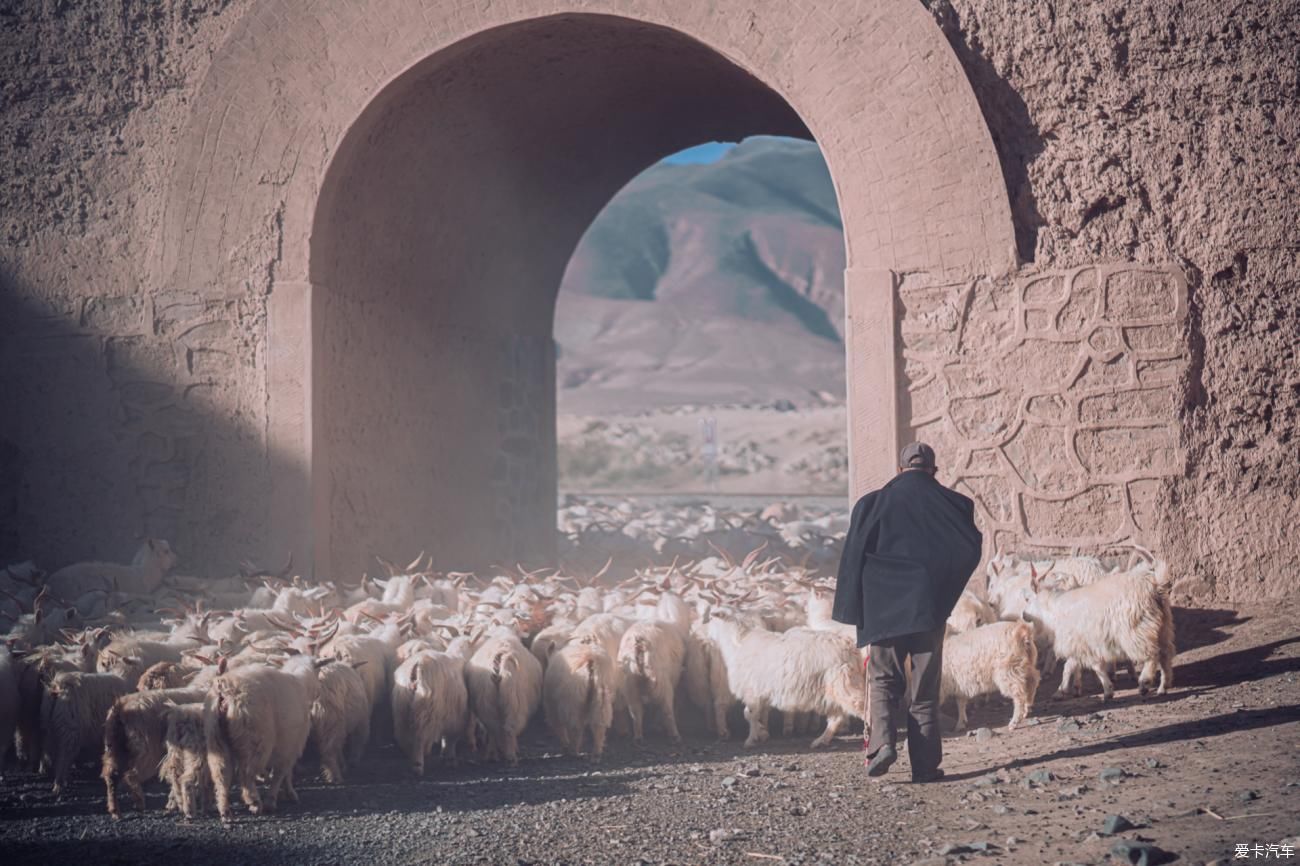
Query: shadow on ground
{"type": "Point", "coordinates": [1194, 729]}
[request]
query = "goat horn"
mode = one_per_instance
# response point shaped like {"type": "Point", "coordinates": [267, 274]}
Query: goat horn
{"type": "Point", "coordinates": [731, 563]}
{"type": "Point", "coordinates": [279, 623]}
{"type": "Point", "coordinates": [751, 556]}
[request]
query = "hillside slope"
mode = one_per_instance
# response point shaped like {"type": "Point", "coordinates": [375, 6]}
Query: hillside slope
{"type": "Point", "coordinates": [705, 284]}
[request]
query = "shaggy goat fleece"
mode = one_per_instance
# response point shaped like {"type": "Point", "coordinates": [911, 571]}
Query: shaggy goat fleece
{"type": "Point", "coordinates": [185, 764]}
{"type": "Point", "coordinates": [1122, 617]}
{"type": "Point", "coordinates": [505, 689]}
{"type": "Point", "coordinates": [73, 710]}
{"type": "Point", "coordinates": [135, 731]}
{"type": "Point", "coordinates": [999, 657]}
{"type": "Point", "coordinates": [257, 718]}
{"type": "Point", "coordinates": [340, 719]}
{"type": "Point", "coordinates": [578, 696]}
{"type": "Point", "coordinates": [651, 656]}
{"type": "Point", "coordinates": [430, 703]}
{"type": "Point", "coordinates": [800, 670]}
{"type": "Point", "coordinates": [705, 677]}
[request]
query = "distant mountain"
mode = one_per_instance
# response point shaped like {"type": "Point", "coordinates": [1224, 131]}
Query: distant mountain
{"type": "Point", "coordinates": [711, 283]}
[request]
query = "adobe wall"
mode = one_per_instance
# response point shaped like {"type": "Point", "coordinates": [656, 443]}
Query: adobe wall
{"type": "Point", "coordinates": [1165, 134]}
{"type": "Point", "coordinates": [1051, 399]}
{"type": "Point", "coordinates": [1149, 147]}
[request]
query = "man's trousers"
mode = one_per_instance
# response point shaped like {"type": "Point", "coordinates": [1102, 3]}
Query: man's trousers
{"type": "Point", "coordinates": [887, 681]}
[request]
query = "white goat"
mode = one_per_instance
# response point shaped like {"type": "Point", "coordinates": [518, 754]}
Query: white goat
{"type": "Point", "coordinates": [578, 696]}
{"type": "Point", "coordinates": [1122, 617]}
{"type": "Point", "coordinates": [818, 609]}
{"type": "Point", "coordinates": [604, 628]}
{"type": "Point", "coordinates": [800, 670]}
{"type": "Point", "coordinates": [550, 639]}
{"type": "Point", "coordinates": [257, 718]}
{"type": "Point", "coordinates": [415, 646]}
{"type": "Point", "coordinates": [129, 656]}
{"type": "Point", "coordinates": [33, 672]}
{"type": "Point", "coordinates": [185, 764]}
{"type": "Point", "coordinates": [705, 676]}
{"type": "Point", "coordinates": [152, 562]}
{"type": "Point", "coordinates": [372, 656]}
{"type": "Point", "coordinates": [164, 675]}
{"type": "Point", "coordinates": [997, 657]}
{"type": "Point", "coordinates": [72, 718]}
{"type": "Point", "coordinates": [135, 732]}
{"type": "Point", "coordinates": [970, 612]}
{"type": "Point", "coordinates": [505, 689]}
{"type": "Point", "coordinates": [340, 719]}
{"type": "Point", "coordinates": [431, 702]}
{"type": "Point", "coordinates": [651, 656]}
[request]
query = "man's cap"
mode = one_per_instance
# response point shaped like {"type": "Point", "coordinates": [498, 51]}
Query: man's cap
{"type": "Point", "coordinates": [918, 455]}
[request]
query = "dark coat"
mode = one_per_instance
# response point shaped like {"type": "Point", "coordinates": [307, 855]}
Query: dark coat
{"type": "Point", "coordinates": [910, 549]}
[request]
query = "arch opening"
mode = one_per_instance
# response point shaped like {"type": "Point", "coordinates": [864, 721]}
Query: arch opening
{"type": "Point", "coordinates": [700, 331]}
{"type": "Point", "coordinates": [440, 238]}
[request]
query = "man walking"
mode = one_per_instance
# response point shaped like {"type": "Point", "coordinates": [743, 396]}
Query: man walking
{"type": "Point", "coordinates": [910, 549]}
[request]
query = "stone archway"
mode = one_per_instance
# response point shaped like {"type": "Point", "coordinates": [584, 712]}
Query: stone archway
{"type": "Point", "coordinates": [327, 150]}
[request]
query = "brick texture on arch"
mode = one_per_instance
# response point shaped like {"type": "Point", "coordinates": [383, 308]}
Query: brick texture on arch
{"type": "Point", "coordinates": [914, 166]}
{"type": "Point", "coordinates": [299, 88]}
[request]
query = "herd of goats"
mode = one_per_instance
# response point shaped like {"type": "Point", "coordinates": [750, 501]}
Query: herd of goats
{"type": "Point", "coordinates": [244, 674]}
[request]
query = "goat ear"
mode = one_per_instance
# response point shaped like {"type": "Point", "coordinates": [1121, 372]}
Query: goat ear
{"type": "Point", "coordinates": [222, 664]}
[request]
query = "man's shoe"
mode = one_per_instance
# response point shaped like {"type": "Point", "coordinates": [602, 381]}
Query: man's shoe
{"type": "Point", "coordinates": [931, 776]}
{"type": "Point", "coordinates": [881, 762]}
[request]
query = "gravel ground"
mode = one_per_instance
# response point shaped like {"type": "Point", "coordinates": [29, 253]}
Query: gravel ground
{"type": "Point", "coordinates": [1213, 764]}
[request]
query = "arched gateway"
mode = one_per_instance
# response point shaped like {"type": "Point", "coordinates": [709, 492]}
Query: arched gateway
{"type": "Point", "coordinates": [419, 175]}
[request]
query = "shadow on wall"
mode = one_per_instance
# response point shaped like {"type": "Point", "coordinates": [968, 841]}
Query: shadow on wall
{"type": "Point", "coordinates": [126, 416]}
{"type": "Point", "coordinates": [1015, 137]}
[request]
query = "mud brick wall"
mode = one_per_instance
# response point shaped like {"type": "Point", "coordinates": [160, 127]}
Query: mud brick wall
{"type": "Point", "coordinates": [1052, 399]}
{"type": "Point", "coordinates": [161, 160]}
